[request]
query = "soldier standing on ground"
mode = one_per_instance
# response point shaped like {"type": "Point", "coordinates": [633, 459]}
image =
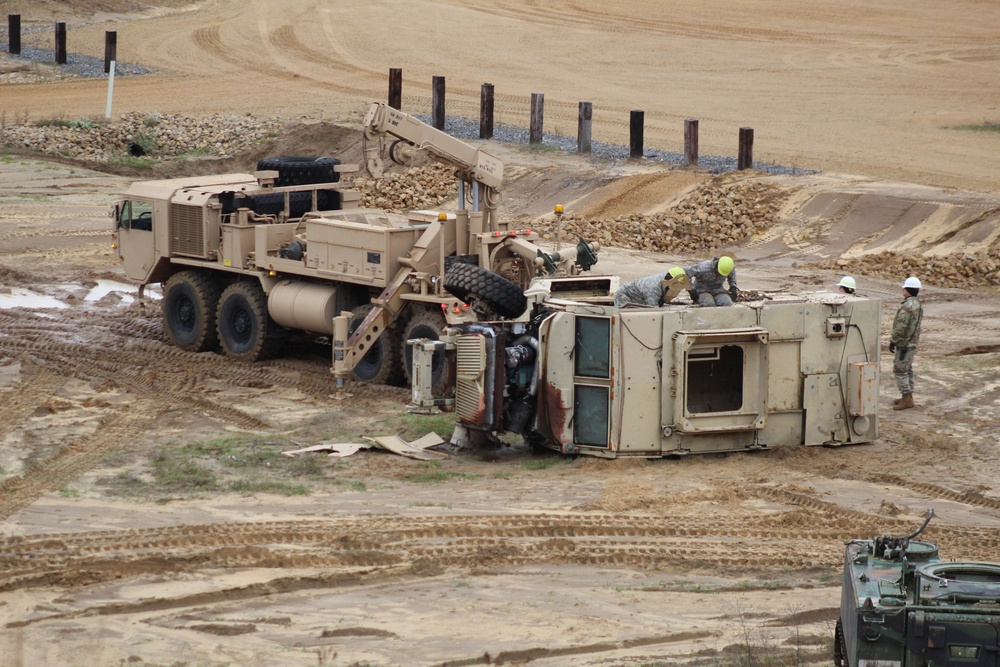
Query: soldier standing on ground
{"type": "Point", "coordinates": [903, 344]}
{"type": "Point", "coordinates": [707, 280]}
{"type": "Point", "coordinates": [656, 290]}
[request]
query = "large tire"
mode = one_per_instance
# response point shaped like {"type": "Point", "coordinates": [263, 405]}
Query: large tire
{"type": "Point", "coordinates": [382, 363]}
{"type": "Point", "coordinates": [190, 300]}
{"type": "Point", "coordinates": [243, 322]}
{"type": "Point", "coordinates": [301, 170]}
{"type": "Point", "coordinates": [468, 280]}
{"type": "Point", "coordinates": [427, 323]}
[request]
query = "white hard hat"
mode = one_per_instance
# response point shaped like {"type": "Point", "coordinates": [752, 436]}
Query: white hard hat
{"type": "Point", "coordinates": [912, 282]}
{"type": "Point", "coordinates": [847, 282]}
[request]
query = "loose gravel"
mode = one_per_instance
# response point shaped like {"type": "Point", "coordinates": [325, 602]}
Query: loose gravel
{"type": "Point", "coordinates": [76, 64]}
{"type": "Point", "coordinates": [464, 128]}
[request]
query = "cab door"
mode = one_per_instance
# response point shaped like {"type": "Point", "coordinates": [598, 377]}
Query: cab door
{"type": "Point", "coordinates": [134, 237]}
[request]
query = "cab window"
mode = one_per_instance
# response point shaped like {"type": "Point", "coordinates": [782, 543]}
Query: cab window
{"type": "Point", "coordinates": [135, 214]}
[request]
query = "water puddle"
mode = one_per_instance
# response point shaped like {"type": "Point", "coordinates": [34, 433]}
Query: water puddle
{"type": "Point", "coordinates": [25, 298]}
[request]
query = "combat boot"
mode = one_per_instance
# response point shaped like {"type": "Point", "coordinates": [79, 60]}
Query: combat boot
{"type": "Point", "coordinates": [905, 403]}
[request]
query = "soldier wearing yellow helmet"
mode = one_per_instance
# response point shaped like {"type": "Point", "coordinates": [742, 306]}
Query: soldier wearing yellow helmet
{"type": "Point", "coordinates": [708, 280]}
{"type": "Point", "coordinates": [656, 290]}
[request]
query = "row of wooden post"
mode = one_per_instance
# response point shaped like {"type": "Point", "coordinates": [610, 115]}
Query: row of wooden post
{"type": "Point", "coordinates": [585, 119]}
{"type": "Point", "coordinates": [14, 41]}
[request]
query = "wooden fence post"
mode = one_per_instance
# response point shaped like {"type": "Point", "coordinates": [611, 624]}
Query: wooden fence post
{"type": "Point", "coordinates": [61, 43]}
{"type": "Point", "coordinates": [584, 122]}
{"type": "Point", "coordinates": [691, 142]}
{"type": "Point", "coordinates": [437, 102]}
{"type": "Point", "coordinates": [486, 111]}
{"type": "Point", "coordinates": [746, 148]}
{"type": "Point", "coordinates": [396, 87]}
{"type": "Point", "coordinates": [537, 118]}
{"type": "Point", "coordinates": [14, 34]}
{"type": "Point", "coordinates": [110, 49]}
{"type": "Point", "coordinates": [636, 122]}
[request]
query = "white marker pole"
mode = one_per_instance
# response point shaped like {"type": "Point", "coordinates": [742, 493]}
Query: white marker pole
{"type": "Point", "coordinates": [111, 89]}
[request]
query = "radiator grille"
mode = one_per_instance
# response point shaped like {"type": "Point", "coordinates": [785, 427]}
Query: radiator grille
{"type": "Point", "coordinates": [187, 230]}
{"type": "Point", "coordinates": [470, 400]}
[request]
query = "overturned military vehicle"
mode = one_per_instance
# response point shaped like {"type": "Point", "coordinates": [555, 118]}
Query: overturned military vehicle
{"type": "Point", "coordinates": [576, 374]}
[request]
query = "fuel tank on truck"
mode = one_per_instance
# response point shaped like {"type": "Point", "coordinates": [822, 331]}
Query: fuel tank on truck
{"type": "Point", "coordinates": [297, 304]}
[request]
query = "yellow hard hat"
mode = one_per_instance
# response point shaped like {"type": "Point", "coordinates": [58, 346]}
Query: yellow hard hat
{"type": "Point", "coordinates": [675, 271]}
{"type": "Point", "coordinates": [847, 282]}
{"type": "Point", "coordinates": [725, 266]}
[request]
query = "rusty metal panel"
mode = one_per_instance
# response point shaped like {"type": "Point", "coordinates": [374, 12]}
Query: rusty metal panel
{"type": "Point", "coordinates": [862, 388]}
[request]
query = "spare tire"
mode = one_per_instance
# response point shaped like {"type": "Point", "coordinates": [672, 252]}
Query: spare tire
{"type": "Point", "coordinates": [301, 169]}
{"type": "Point", "coordinates": [495, 291]}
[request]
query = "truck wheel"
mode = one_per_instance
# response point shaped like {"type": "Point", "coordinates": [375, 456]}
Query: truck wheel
{"type": "Point", "coordinates": [243, 322]}
{"type": "Point", "coordinates": [839, 646]}
{"type": "Point", "coordinates": [301, 170]}
{"type": "Point", "coordinates": [190, 299]}
{"type": "Point", "coordinates": [381, 364]}
{"type": "Point", "coordinates": [469, 280]}
{"type": "Point", "coordinates": [428, 324]}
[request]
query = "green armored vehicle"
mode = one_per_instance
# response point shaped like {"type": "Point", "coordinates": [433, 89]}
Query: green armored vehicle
{"type": "Point", "coordinates": [902, 606]}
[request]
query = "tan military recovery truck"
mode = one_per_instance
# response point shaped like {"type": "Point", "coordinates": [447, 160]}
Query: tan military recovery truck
{"type": "Point", "coordinates": [576, 374]}
{"type": "Point", "coordinates": [248, 261]}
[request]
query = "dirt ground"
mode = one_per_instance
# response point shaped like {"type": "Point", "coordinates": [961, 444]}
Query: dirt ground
{"type": "Point", "coordinates": [149, 517]}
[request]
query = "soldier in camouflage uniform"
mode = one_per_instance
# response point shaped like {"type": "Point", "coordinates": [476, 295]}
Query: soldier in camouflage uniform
{"type": "Point", "coordinates": [707, 280]}
{"type": "Point", "coordinates": [903, 344]}
{"type": "Point", "coordinates": [656, 290]}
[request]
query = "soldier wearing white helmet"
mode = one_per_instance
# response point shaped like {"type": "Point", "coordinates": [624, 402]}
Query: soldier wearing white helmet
{"type": "Point", "coordinates": [903, 344]}
{"type": "Point", "coordinates": [847, 285]}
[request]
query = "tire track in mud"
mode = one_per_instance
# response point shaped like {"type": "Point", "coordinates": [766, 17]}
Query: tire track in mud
{"type": "Point", "coordinates": [576, 15]}
{"type": "Point", "coordinates": [691, 540]}
{"type": "Point", "coordinates": [20, 401]}
{"type": "Point", "coordinates": [76, 458]}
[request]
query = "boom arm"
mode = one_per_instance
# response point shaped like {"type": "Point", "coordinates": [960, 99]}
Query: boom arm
{"type": "Point", "coordinates": [473, 166]}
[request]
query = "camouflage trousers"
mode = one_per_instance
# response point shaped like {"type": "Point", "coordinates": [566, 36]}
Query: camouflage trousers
{"type": "Point", "coordinates": [902, 369]}
{"type": "Point", "coordinates": [707, 300]}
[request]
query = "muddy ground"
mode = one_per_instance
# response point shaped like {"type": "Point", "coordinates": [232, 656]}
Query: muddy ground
{"type": "Point", "coordinates": [149, 517]}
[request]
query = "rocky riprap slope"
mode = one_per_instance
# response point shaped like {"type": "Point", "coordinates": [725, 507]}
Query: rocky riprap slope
{"type": "Point", "coordinates": [957, 270]}
{"type": "Point", "coordinates": [158, 136]}
{"type": "Point", "coordinates": [428, 187]}
{"type": "Point", "coordinates": [715, 215]}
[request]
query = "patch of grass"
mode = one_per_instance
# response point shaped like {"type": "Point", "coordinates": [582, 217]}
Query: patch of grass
{"type": "Point", "coordinates": [174, 471]}
{"type": "Point", "coordinates": [280, 488]}
{"type": "Point", "coordinates": [139, 163]}
{"type": "Point", "coordinates": [411, 426]}
{"type": "Point", "coordinates": [6, 159]}
{"type": "Point", "coordinates": [146, 141]}
{"type": "Point", "coordinates": [986, 126]}
{"type": "Point", "coordinates": [75, 124]}
{"type": "Point", "coordinates": [542, 464]}
{"type": "Point", "coordinates": [67, 492]}
{"type": "Point", "coordinates": [433, 474]}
